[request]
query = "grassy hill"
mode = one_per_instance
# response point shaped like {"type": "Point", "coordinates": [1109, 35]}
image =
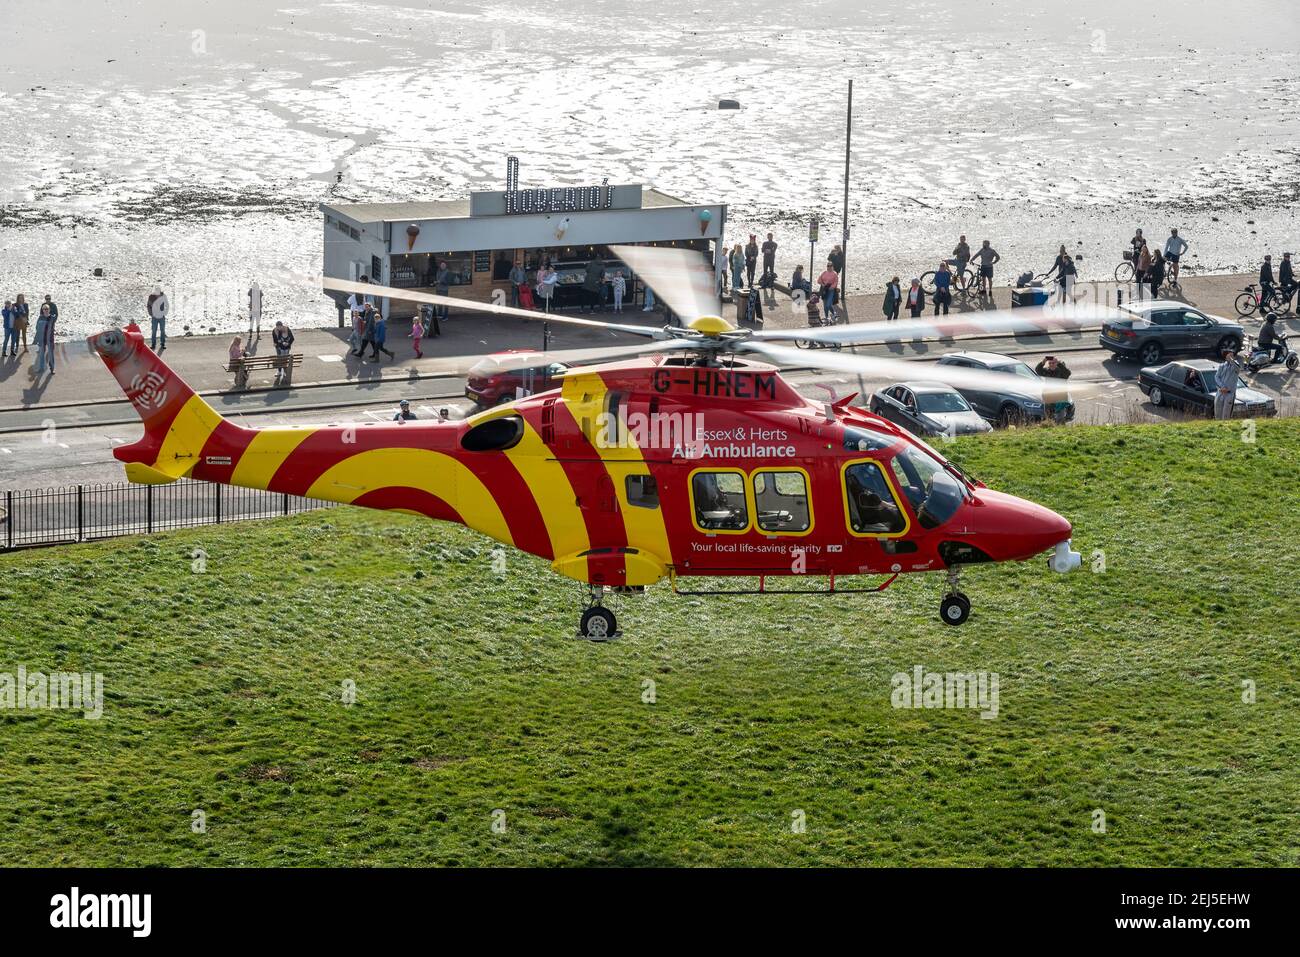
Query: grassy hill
{"type": "Point", "coordinates": [1119, 691]}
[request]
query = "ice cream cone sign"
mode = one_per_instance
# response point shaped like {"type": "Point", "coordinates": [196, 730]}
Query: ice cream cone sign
{"type": "Point", "coordinates": [412, 231]}
{"type": "Point", "coordinates": [705, 217]}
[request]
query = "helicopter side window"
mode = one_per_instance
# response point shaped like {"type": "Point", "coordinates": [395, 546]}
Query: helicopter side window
{"type": "Point", "coordinates": [872, 508]}
{"type": "Point", "coordinates": [719, 501]}
{"type": "Point", "coordinates": [933, 492]}
{"type": "Point", "coordinates": [642, 491]}
{"type": "Point", "coordinates": [781, 501]}
{"type": "Point", "coordinates": [864, 440]}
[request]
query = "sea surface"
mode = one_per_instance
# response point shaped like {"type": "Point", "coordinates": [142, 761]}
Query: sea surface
{"type": "Point", "coordinates": [190, 142]}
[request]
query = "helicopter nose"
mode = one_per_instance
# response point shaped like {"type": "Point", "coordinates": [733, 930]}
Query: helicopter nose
{"type": "Point", "coordinates": [1013, 529]}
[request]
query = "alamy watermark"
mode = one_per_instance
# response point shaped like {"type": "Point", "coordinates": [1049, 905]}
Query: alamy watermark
{"type": "Point", "coordinates": [952, 689]}
{"type": "Point", "coordinates": [56, 691]}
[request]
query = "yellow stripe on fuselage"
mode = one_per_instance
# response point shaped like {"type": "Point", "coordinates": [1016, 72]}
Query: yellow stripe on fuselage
{"type": "Point", "coordinates": [552, 491]}
{"type": "Point", "coordinates": [265, 454]}
{"type": "Point", "coordinates": [432, 472]}
{"type": "Point", "coordinates": [186, 437]}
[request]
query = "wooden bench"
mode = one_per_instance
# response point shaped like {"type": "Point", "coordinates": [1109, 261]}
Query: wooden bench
{"type": "Point", "coordinates": [284, 366]}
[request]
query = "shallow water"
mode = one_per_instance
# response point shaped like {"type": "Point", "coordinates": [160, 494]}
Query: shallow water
{"type": "Point", "coordinates": [190, 142]}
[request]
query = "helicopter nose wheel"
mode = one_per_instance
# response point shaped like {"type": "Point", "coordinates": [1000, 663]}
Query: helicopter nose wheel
{"type": "Point", "coordinates": [954, 609]}
{"type": "Point", "coordinates": [598, 622]}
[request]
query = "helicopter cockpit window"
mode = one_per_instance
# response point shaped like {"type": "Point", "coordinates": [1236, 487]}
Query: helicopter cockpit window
{"type": "Point", "coordinates": [781, 501]}
{"type": "Point", "coordinates": [873, 510]}
{"type": "Point", "coordinates": [642, 491]}
{"type": "Point", "coordinates": [864, 440]}
{"type": "Point", "coordinates": [934, 493]}
{"type": "Point", "coordinates": [719, 501]}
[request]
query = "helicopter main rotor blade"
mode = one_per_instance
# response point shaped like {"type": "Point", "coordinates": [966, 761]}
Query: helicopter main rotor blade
{"type": "Point", "coordinates": [410, 295]}
{"type": "Point", "coordinates": [1008, 322]}
{"type": "Point", "coordinates": [903, 370]}
{"type": "Point", "coordinates": [680, 277]}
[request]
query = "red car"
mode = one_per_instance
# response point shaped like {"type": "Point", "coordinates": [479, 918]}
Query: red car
{"type": "Point", "coordinates": [499, 377]}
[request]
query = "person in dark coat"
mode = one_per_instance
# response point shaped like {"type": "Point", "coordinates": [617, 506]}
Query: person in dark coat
{"type": "Point", "coordinates": [1266, 280]}
{"type": "Point", "coordinates": [593, 284]}
{"type": "Point", "coordinates": [751, 258]}
{"type": "Point", "coordinates": [915, 299]}
{"type": "Point", "coordinates": [893, 300]}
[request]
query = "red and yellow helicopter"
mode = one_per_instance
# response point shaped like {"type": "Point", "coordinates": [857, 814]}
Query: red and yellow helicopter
{"type": "Point", "coordinates": [692, 456]}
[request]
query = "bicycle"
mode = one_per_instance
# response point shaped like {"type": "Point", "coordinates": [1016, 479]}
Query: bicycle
{"type": "Point", "coordinates": [962, 283]}
{"type": "Point", "coordinates": [1251, 300]}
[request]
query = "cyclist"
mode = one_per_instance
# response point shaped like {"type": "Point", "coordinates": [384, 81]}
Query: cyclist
{"type": "Point", "coordinates": [960, 257]}
{"type": "Point", "coordinates": [1137, 243]}
{"type": "Point", "coordinates": [1266, 281]}
{"type": "Point", "coordinates": [1175, 246]}
{"type": "Point", "coordinates": [1286, 277]}
{"type": "Point", "coordinates": [987, 256]}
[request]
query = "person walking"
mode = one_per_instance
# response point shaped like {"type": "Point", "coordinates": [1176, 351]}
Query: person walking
{"type": "Point", "coordinates": [42, 340]}
{"type": "Point", "coordinates": [916, 299]}
{"type": "Point", "coordinates": [381, 334]}
{"type": "Point", "coordinates": [987, 257]}
{"type": "Point", "coordinates": [368, 333]}
{"type": "Point", "coordinates": [158, 306]}
{"type": "Point", "coordinates": [21, 313]}
{"type": "Point", "coordinates": [417, 332]}
{"type": "Point", "coordinates": [737, 265]}
{"type": "Point", "coordinates": [518, 278]}
{"type": "Point", "coordinates": [1175, 246]}
{"type": "Point", "coordinates": [282, 339]}
{"type": "Point", "coordinates": [1286, 279]}
{"type": "Point", "coordinates": [619, 285]}
{"type": "Point", "coordinates": [942, 288]}
{"type": "Point", "coordinates": [593, 285]}
{"type": "Point", "coordinates": [1227, 376]}
{"type": "Point", "coordinates": [1266, 281]}
{"type": "Point", "coordinates": [751, 258]}
{"type": "Point", "coordinates": [893, 299]}
{"type": "Point", "coordinates": [1156, 274]}
{"type": "Point", "coordinates": [769, 261]}
{"type": "Point", "coordinates": [828, 285]}
{"type": "Point", "coordinates": [10, 346]}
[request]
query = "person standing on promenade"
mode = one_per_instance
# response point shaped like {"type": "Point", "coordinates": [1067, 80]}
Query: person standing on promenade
{"type": "Point", "coordinates": [988, 257]}
{"type": "Point", "coordinates": [1175, 246]}
{"type": "Point", "coordinates": [737, 260]}
{"type": "Point", "coordinates": [751, 258]}
{"type": "Point", "coordinates": [21, 314]}
{"type": "Point", "coordinates": [828, 283]}
{"type": "Point", "coordinates": [893, 299]}
{"type": "Point", "coordinates": [255, 308]}
{"type": "Point", "coordinates": [960, 260]}
{"type": "Point", "coordinates": [1266, 281]}
{"type": "Point", "coordinates": [942, 288]}
{"type": "Point", "coordinates": [42, 339]}
{"type": "Point", "coordinates": [916, 299]}
{"type": "Point", "coordinates": [769, 260]}
{"type": "Point", "coordinates": [158, 307]}
{"type": "Point", "coordinates": [1156, 274]}
{"type": "Point", "coordinates": [10, 337]}
{"type": "Point", "coordinates": [282, 339]}
{"type": "Point", "coordinates": [1063, 267]}
{"type": "Point", "coordinates": [1141, 267]}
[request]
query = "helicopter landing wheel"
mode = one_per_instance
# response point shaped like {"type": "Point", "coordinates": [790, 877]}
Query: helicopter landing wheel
{"type": "Point", "coordinates": [954, 609]}
{"type": "Point", "coordinates": [598, 624]}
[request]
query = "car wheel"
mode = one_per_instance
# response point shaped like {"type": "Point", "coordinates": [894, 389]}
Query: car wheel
{"type": "Point", "coordinates": [1150, 353]}
{"type": "Point", "coordinates": [1226, 343]}
{"type": "Point", "coordinates": [1157, 397]}
{"type": "Point", "coordinates": [1010, 415]}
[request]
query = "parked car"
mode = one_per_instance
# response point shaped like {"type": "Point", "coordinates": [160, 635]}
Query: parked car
{"type": "Point", "coordinates": [1161, 328]}
{"type": "Point", "coordinates": [927, 408]}
{"type": "Point", "coordinates": [1191, 384]}
{"type": "Point", "coordinates": [500, 377]}
{"type": "Point", "coordinates": [1004, 406]}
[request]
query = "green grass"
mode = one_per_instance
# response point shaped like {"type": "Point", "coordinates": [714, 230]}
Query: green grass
{"type": "Point", "coordinates": [1119, 691]}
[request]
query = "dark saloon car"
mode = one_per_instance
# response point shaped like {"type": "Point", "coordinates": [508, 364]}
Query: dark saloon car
{"type": "Point", "coordinates": [503, 376]}
{"type": "Point", "coordinates": [1154, 330]}
{"type": "Point", "coordinates": [1004, 405]}
{"type": "Point", "coordinates": [1191, 384]}
{"type": "Point", "coordinates": [927, 408]}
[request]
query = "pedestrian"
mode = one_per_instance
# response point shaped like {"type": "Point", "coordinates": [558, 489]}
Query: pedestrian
{"type": "Point", "coordinates": [893, 299]}
{"type": "Point", "coordinates": [368, 333]}
{"type": "Point", "coordinates": [1266, 281]}
{"type": "Point", "coordinates": [942, 288]}
{"type": "Point", "coordinates": [988, 257]}
{"type": "Point", "coordinates": [381, 334]}
{"type": "Point", "coordinates": [518, 279]}
{"type": "Point", "coordinates": [916, 299]}
{"type": "Point", "coordinates": [960, 260]}
{"type": "Point", "coordinates": [1156, 274]}
{"type": "Point", "coordinates": [42, 343]}
{"type": "Point", "coordinates": [799, 281]}
{"type": "Point", "coordinates": [837, 258]}
{"type": "Point", "coordinates": [54, 310]}
{"type": "Point", "coordinates": [21, 311]}
{"type": "Point", "coordinates": [1055, 402]}
{"type": "Point", "coordinates": [236, 354]}
{"type": "Point", "coordinates": [157, 305]}
{"type": "Point", "coordinates": [828, 285]}
{"type": "Point", "coordinates": [442, 286]}
{"type": "Point", "coordinates": [593, 285]}
{"type": "Point", "coordinates": [1140, 268]}
{"type": "Point", "coordinates": [404, 413]}
{"type": "Point", "coordinates": [417, 332]}
{"type": "Point", "coordinates": [619, 285]}
{"type": "Point", "coordinates": [737, 265]}
{"type": "Point", "coordinates": [769, 261]}
{"type": "Point", "coordinates": [10, 347]}
{"type": "Point", "coordinates": [1226, 376]}
{"type": "Point", "coordinates": [1064, 268]}
{"type": "Point", "coordinates": [255, 308]}
{"type": "Point", "coordinates": [1175, 246]}
{"type": "Point", "coordinates": [751, 258]}
{"type": "Point", "coordinates": [546, 280]}
{"type": "Point", "coordinates": [1136, 242]}
{"type": "Point", "coordinates": [282, 339]}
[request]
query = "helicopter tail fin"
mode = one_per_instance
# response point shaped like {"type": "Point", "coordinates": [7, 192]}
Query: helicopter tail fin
{"type": "Point", "coordinates": [178, 423]}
